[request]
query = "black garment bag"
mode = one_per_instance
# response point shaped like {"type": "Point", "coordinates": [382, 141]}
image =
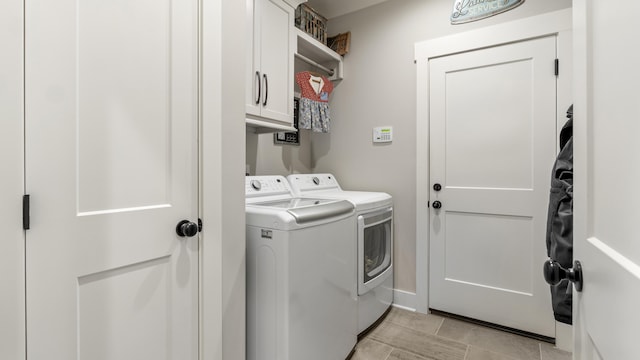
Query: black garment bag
{"type": "Point", "coordinates": [560, 221]}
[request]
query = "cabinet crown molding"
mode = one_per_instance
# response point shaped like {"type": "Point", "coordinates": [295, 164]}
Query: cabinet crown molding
{"type": "Point", "coordinates": [295, 3]}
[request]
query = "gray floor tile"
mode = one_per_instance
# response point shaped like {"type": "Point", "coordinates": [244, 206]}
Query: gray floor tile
{"type": "Point", "coordinates": [403, 355]}
{"type": "Point", "coordinates": [550, 352]}
{"type": "Point", "coordinates": [493, 340]}
{"type": "Point", "coordinates": [368, 349]}
{"type": "Point", "coordinates": [476, 353]}
{"type": "Point", "coordinates": [426, 323]}
{"type": "Point", "coordinates": [417, 342]}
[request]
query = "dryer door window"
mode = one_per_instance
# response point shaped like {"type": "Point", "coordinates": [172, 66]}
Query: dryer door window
{"type": "Point", "coordinates": [377, 249]}
{"type": "Point", "coordinates": [375, 243]}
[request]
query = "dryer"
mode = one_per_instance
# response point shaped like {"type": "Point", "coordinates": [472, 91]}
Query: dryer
{"type": "Point", "coordinates": [374, 239]}
{"type": "Point", "coordinates": [301, 295]}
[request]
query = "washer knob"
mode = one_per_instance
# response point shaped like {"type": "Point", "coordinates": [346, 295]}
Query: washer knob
{"type": "Point", "coordinates": [256, 184]}
{"type": "Point", "coordinates": [316, 180]}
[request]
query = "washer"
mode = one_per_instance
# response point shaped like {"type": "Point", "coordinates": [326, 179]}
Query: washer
{"type": "Point", "coordinates": [374, 238]}
{"type": "Point", "coordinates": [301, 294]}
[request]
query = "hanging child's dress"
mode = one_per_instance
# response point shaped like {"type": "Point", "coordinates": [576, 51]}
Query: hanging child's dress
{"type": "Point", "coordinates": [314, 102]}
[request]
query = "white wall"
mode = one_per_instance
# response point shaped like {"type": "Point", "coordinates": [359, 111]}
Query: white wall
{"type": "Point", "coordinates": [266, 158]}
{"type": "Point", "coordinates": [12, 328]}
{"type": "Point", "coordinates": [378, 89]}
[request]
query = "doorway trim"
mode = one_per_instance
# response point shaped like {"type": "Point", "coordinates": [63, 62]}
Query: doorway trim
{"type": "Point", "coordinates": [558, 23]}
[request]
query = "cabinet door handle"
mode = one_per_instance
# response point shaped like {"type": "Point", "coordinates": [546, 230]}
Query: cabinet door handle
{"type": "Point", "coordinates": [259, 87]}
{"type": "Point", "coordinates": [266, 89]}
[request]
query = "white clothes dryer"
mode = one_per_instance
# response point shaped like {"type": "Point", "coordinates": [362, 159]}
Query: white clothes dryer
{"type": "Point", "coordinates": [374, 212]}
{"type": "Point", "coordinates": [301, 298]}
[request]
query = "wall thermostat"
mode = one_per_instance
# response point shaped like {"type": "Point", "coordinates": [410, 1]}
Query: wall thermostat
{"type": "Point", "coordinates": [382, 134]}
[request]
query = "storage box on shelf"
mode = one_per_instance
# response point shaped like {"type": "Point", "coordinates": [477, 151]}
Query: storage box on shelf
{"type": "Point", "coordinates": [340, 43]}
{"type": "Point", "coordinates": [311, 22]}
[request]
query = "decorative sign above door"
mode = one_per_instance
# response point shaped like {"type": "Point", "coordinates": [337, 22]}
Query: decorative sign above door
{"type": "Point", "coordinates": [471, 10]}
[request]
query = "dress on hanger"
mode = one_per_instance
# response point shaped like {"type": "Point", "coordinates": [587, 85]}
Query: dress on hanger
{"type": "Point", "coordinates": [314, 102]}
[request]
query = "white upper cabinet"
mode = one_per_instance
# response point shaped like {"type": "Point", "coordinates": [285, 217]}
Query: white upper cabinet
{"type": "Point", "coordinates": [269, 73]}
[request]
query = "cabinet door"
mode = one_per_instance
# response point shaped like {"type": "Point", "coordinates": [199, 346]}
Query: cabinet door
{"type": "Point", "coordinates": [277, 60]}
{"type": "Point", "coordinates": [270, 97]}
{"type": "Point", "coordinates": [253, 75]}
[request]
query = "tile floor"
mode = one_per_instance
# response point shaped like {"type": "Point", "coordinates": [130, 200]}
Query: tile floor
{"type": "Point", "coordinates": [406, 335]}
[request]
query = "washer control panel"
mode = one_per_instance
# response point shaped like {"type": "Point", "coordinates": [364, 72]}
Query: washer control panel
{"type": "Point", "coordinates": [266, 186]}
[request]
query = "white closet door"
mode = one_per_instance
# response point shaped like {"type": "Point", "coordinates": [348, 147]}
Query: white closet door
{"type": "Point", "coordinates": [111, 166]}
{"type": "Point", "coordinates": [12, 327]}
{"type": "Point", "coordinates": [492, 136]}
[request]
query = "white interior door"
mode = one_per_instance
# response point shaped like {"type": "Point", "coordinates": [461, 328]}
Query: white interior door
{"type": "Point", "coordinates": [111, 165]}
{"type": "Point", "coordinates": [606, 206]}
{"type": "Point", "coordinates": [492, 145]}
{"type": "Point", "coordinates": [12, 327]}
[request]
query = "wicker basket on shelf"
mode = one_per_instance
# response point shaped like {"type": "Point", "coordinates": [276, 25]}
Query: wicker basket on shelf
{"type": "Point", "coordinates": [340, 43]}
{"type": "Point", "coordinates": [309, 21]}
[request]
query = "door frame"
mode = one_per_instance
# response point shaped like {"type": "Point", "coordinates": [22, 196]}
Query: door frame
{"type": "Point", "coordinates": [222, 171]}
{"type": "Point", "coordinates": [557, 23]}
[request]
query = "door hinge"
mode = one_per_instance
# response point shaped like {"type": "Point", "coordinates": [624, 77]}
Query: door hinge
{"type": "Point", "coordinates": [26, 221]}
{"type": "Point", "coordinates": [557, 67]}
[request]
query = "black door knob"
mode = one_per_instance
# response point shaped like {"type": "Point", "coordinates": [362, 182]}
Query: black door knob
{"type": "Point", "coordinates": [186, 228]}
{"type": "Point", "coordinates": [437, 204]}
{"type": "Point", "coordinates": [554, 273]}
{"type": "Point", "coordinates": [437, 187]}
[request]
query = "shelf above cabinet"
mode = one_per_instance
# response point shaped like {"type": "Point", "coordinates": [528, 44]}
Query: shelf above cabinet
{"type": "Point", "coordinates": [259, 126]}
{"type": "Point", "coordinates": [315, 53]}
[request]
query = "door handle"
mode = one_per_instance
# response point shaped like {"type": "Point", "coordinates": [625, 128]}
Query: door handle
{"type": "Point", "coordinates": [266, 89]}
{"type": "Point", "coordinates": [554, 273]}
{"type": "Point", "coordinates": [437, 187]}
{"type": "Point", "coordinates": [437, 204]}
{"type": "Point", "coordinates": [186, 228]}
{"type": "Point", "coordinates": [259, 88]}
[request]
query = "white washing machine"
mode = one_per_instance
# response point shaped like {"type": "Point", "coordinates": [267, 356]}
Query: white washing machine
{"type": "Point", "coordinates": [374, 238]}
{"type": "Point", "coordinates": [301, 295]}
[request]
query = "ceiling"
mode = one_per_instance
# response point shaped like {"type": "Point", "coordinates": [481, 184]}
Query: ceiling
{"type": "Point", "coordinates": [334, 8]}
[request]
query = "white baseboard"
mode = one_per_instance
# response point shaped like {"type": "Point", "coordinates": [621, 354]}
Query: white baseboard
{"type": "Point", "coordinates": [404, 299]}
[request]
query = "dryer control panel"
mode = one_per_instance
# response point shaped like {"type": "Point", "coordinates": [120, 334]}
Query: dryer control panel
{"type": "Point", "coordinates": [303, 183]}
